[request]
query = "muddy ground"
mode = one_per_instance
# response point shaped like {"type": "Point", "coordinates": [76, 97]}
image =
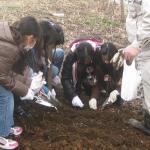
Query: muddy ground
{"type": "Point", "coordinates": [70, 128]}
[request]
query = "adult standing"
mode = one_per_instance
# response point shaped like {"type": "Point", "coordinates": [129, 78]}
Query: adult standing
{"type": "Point", "coordinates": [138, 30]}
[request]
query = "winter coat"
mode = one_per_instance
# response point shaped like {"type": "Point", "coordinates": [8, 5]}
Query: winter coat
{"type": "Point", "coordinates": [138, 23]}
{"type": "Point", "coordinates": [72, 76]}
{"type": "Point", "coordinates": [11, 57]}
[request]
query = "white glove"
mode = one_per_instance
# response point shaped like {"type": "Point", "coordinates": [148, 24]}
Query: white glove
{"type": "Point", "coordinates": [117, 59]}
{"type": "Point", "coordinates": [93, 103]}
{"type": "Point", "coordinates": [37, 82]}
{"type": "Point", "coordinates": [29, 96]}
{"type": "Point", "coordinates": [51, 94]}
{"type": "Point", "coordinates": [76, 101]}
{"type": "Point", "coordinates": [113, 96]}
{"type": "Point", "coordinates": [111, 99]}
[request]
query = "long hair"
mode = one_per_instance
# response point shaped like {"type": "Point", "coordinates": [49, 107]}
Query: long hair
{"type": "Point", "coordinates": [52, 34]}
{"type": "Point", "coordinates": [108, 49]}
{"type": "Point", "coordinates": [25, 26]}
{"type": "Point", "coordinates": [84, 50]}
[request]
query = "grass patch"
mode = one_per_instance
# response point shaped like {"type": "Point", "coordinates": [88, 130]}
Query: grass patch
{"type": "Point", "coordinates": [94, 20]}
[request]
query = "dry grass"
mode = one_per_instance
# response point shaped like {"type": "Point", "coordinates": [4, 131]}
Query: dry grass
{"type": "Point", "coordinates": [89, 17]}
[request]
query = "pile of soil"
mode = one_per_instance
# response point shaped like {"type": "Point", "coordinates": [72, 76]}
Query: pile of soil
{"type": "Point", "coordinates": [82, 129]}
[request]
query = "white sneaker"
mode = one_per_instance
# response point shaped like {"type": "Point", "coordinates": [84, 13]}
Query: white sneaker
{"type": "Point", "coordinates": [93, 103]}
{"type": "Point", "coordinates": [16, 131]}
{"type": "Point", "coordinates": [8, 143]}
{"type": "Point", "coordinates": [77, 102]}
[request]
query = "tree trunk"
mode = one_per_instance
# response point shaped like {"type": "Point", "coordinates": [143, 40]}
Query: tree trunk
{"type": "Point", "coordinates": [122, 10]}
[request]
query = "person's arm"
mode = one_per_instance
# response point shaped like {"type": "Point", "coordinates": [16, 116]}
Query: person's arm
{"type": "Point", "coordinates": [142, 38]}
{"type": "Point", "coordinates": [143, 33]}
{"type": "Point", "coordinates": [67, 77]}
{"type": "Point", "coordinates": [12, 84]}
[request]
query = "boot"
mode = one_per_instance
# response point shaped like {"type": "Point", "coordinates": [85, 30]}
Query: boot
{"type": "Point", "coordinates": [143, 126]}
{"type": "Point", "coordinates": [147, 120]}
{"type": "Point", "coordinates": [19, 111]}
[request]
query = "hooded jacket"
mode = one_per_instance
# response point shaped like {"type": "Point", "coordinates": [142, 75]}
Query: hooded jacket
{"type": "Point", "coordinates": [71, 77]}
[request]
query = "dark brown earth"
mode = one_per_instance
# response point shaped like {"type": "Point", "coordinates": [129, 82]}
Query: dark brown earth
{"type": "Point", "coordinates": [76, 129]}
{"type": "Point", "coordinates": [70, 128]}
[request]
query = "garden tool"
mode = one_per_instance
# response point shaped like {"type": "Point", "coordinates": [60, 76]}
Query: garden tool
{"type": "Point", "coordinates": [47, 100]}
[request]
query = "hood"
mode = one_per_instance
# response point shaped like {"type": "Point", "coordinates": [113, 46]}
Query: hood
{"type": "Point", "coordinates": [5, 32]}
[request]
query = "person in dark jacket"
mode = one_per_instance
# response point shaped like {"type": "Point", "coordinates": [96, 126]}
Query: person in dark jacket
{"type": "Point", "coordinates": [97, 75]}
{"type": "Point", "coordinates": [52, 34]}
{"type": "Point", "coordinates": [110, 75]}
{"type": "Point", "coordinates": [15, 42]}
{"type": "Point", "coordinates": [79, 72]}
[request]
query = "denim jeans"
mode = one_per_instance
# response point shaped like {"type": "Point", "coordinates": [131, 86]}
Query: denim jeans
{"type": "Point", "coordinates": [6, 111]}
{"type": "Point", "coordinates": [58, 57]}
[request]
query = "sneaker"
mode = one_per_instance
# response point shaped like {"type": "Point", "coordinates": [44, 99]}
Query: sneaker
{"type": "Point", "coordinates": [16, 131]}
{"type": "Point", "coordinates": [8, 143]}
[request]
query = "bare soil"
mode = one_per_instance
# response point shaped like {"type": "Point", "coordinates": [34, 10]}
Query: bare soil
{"type": "Point", "coordinates": [71, 128]}
{"type": "Point", "coordinates": [82, 129]}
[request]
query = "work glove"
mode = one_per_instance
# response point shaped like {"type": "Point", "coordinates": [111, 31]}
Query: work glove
{"type": "Point", "coordinates": [93, 103]}
{"type": "Point", "coordinates": [111, 99]}
{"type": "Point", "coordinates": [37, 82]}
{"type": "Point", "coordinates": [76, 101]}
{"type": "Point", "coordinates": [28, 96]}
{"type": "Point", "coordinates": [52, 94]}
{"type": "Point", "coordinates": [117, 60]}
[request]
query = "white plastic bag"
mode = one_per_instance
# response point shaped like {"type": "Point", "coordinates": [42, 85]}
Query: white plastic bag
{"type": "Point", "coordinates": [131, 79]}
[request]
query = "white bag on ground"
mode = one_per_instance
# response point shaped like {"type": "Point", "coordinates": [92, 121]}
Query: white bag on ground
{"type": "Point", "coordinates": [131, 79]}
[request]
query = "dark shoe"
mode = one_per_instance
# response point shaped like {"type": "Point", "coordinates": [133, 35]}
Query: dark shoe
{"type": "Point", "coordinates": [21, 112]}
{"type": "Point", "coordinates": [139, 125]}
{"type": "Point", "coordinates": [147, 120]}
{"type": "Point", "coordinates": [119, 101]}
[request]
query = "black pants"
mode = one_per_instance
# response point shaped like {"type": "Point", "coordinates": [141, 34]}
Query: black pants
{"type": "Point", "coordinates": [17, 101]}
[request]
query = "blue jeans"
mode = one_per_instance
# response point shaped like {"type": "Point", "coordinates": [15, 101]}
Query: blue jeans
{"type": "Point", "coordinates": [58, 57]}
{"type": "Point", "coordinates": [6, 111]}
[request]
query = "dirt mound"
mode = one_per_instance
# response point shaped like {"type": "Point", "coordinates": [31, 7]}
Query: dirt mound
{"type": "Point", "coordinates": [76, 129]}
